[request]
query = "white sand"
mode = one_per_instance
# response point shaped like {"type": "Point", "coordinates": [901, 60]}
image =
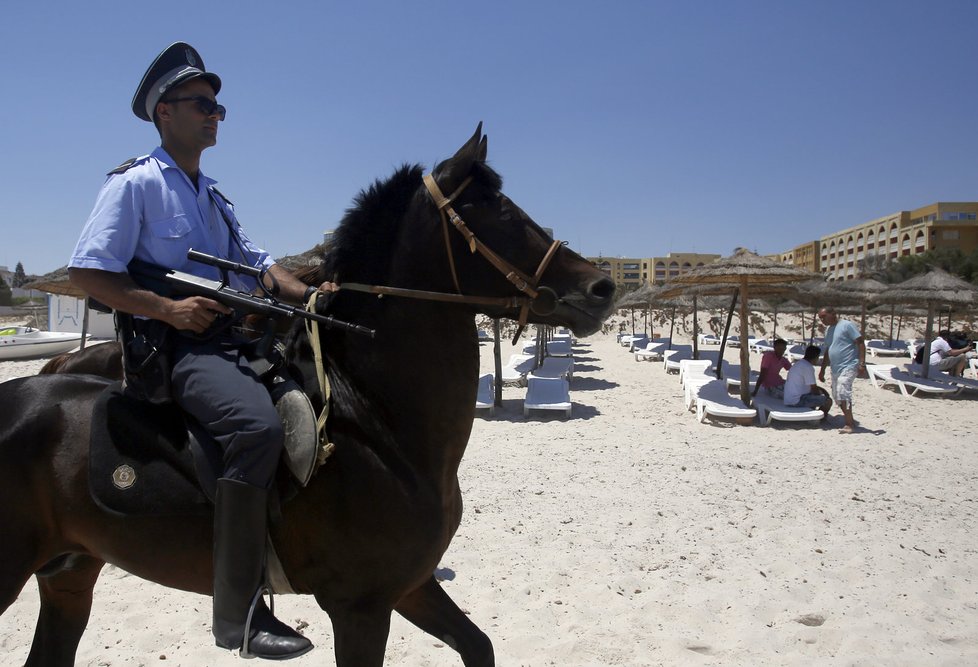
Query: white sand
{"type": "Point", "coordinates": [631, 534]}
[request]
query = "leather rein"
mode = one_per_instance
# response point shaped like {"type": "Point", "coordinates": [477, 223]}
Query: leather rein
{"type": "Point", "coordinates": [532, 295]}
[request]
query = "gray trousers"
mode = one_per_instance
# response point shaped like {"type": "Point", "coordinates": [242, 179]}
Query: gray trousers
{"type": "Point", "coordinates": [214, 383]}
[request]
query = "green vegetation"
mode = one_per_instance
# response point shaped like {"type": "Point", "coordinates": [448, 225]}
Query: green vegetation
{"type": "Point", "coordinates": [952, 260]}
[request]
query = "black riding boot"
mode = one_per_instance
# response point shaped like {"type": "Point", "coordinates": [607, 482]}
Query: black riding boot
{"type": "Point", "coordinates": [240, 527]}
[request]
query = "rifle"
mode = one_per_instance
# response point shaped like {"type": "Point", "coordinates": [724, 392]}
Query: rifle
{"type": "Point", "coordinates": [170, 283]}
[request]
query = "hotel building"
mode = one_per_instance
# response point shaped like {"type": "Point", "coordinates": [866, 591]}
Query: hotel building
{"type": "Point", "coordinates": [841, 255]}
{"type": "Point", "coordinates": [632, 272]}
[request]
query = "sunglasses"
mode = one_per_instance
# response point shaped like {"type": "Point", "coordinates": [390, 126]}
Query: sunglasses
{"type": "Point", "coordinates": [205, 105]}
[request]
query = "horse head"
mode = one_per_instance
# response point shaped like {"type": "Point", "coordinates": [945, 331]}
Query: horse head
{"type": "Point", "coordinates": [485, 246]}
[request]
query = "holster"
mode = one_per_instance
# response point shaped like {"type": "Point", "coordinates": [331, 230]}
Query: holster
{"type": "Point", "coordinates": [145, 358]}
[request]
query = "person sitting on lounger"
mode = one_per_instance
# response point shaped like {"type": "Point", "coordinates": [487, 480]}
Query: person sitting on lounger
{"type": "Point", "coordinates": [800, 389]}
{"type": "Point", "coordinates": [771, 364]}
{"type": "Point", "coordinates": [945, 358]}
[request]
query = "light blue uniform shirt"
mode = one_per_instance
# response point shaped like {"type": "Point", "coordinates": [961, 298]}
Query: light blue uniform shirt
{"type": "Point", "coordinates": [152, 212]}
{"type": "Point", "coordinates": [840, 340]}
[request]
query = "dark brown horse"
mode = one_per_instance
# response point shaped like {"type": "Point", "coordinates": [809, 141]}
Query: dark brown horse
{"type": "Point", "coordinates": [366, 534]}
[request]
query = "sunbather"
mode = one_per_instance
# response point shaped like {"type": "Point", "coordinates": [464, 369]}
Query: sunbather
{"type": "Point", "coordinates": [772, 362]}
{"type": "Point", "coordinates": [945, 358]}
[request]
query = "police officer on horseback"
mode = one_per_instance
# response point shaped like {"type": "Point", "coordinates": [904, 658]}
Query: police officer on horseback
{"type": "Point", "coordinates": [155, 208]}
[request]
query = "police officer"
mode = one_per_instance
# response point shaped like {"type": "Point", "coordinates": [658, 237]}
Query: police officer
{"type": "Point", "coordinates": [155, 208]}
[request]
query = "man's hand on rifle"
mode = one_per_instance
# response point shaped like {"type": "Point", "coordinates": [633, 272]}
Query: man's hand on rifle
{"type": "Point", "coordinates": [194, 313]}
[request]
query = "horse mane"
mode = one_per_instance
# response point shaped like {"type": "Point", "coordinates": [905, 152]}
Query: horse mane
{"type": "Point", "coordinates": [363, 243]}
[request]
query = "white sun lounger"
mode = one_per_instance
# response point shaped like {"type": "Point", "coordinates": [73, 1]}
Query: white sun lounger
{"type": "Point", "coordinates": [693, 367]}
{"type": "Point", "coordinates": [554, 367]}
{"type": "Point", "coordinates": [515, 370]}
{"type": "Point", "coordinates": [485, 398]}
{"type": "Point", "coordinates": [708, 339]}
{"type": "Point", "coordinates": [559, 348]}
{"type": "Point", "coordinates": [761, 346]}
{"type": "Point", "coordinates": [651, 352]}
{"type": "Point", "coordinates": [671, 358]}
{"type": "Point", "coordinates": [712, 400]}
{"type": "Point", "coordinates": [940, 376]}
{"type": "Point", "coordinates": [770, 408]}
{"type": "Point", "coordinates": [547, 394]}
{"type": "Point", "coordinates": [973, 365]}
{"type": "Point", "coordinates": [881, 375]}
{"type": "Point", "coordinates": [882, 348]}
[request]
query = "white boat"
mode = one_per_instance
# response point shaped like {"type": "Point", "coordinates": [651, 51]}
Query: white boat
{"type": "Point", "coordinates": [31, 343]}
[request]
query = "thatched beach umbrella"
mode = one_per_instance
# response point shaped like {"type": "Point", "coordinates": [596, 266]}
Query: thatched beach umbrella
{"type": "Point", "coordinates": [865, 292]}
{"type": "Point", "coordinates": [56, 282]}
{"type": "Point", "coordinates": [934, 288]}
{"type": "Point", "coordinates": [748, 274]}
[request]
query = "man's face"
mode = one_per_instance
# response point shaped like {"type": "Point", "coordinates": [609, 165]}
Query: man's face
{"type": "Point", "coordinates": [828, 319]}
{"type": "Point", "coordinates": [779, 349]}
{"type": "Point", "coordinates": [183, 121]}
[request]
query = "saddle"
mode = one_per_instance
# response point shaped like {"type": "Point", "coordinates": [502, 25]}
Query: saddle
{"type": "Point", "coordinates": [148, 459]}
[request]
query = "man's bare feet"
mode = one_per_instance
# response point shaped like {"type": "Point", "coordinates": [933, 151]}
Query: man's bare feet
{"type": "Point", "coordinates": [847, 429]}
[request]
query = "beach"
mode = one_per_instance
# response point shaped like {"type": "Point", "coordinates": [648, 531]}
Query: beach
{"type": "Point", "coordinates": [631, 534]}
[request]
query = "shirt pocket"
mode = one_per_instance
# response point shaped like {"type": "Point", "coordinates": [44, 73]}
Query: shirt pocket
{"type": "Point", "coordinates": [174, 228]}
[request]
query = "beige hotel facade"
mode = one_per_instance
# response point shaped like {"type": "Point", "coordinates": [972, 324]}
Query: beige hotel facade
{"type": "Point", "coordinates": [632, 272]}
{"type": "Point", "coordinates": [842, 255]}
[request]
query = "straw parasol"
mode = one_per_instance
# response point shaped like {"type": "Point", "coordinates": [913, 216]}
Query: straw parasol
{"type": "Point", "coordinates": [745, 274]}
{"type": "Point", "coordinates": [934, 288]}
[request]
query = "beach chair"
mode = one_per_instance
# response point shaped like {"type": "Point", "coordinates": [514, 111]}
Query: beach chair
{"type": "Point", "coordinates": [559, 348]}
{"type": "Point", "coordinates": [797, 352]}
{"type": "Point", "coordinates": [484, 336]}
{"type": "Point", "coordinates": [882, 375]}
{"type": "Point", "coordinates": [882, 348]}
{"type": "Point", "coordinates": [973, 367]}
{"type": "Point", "coordinates": [693, 367]}
{"type": "Point", "coordinates": [485, 397]}
{"type": "Point", "coordinates": [651, 352]}
{"type": "Point", "coordinates": [547, 394]}
{"type": "Point", "coordinates": [554, 367]}
{"type": "Point", "coordinates": [515, 370]}
{"type": "Point", "coordinates": [917, 370]}
{"type": "Point", "coordinates": [671, 358]}
{"type": "Point", "coordinates": [712, 400]}
{"type": "Point", "coordinates": [770, 408]}
{"type": "Point", "coordinates": [708, 339]}
{"type": "Point", "coordinates": [731, 377]}
{"type": "Point", "coordinates": [761, 346]}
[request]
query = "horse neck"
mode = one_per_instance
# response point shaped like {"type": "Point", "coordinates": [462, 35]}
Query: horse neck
{"type": "Point", "coordinates": [417, 378]}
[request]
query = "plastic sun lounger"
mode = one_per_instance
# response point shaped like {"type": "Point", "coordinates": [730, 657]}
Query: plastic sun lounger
{"type": "Point", "coordinates": [712, 400]}
{"type": "Point", "coordinates": [881, 375]}
{"type": "Point", "coordinates": [671, 358]}
{"type": "Point", "coordinates": [973, 365]}
{"type": "Point", "coordinates": [882, 348]}
{"type": "Point", "coordinates": [485, 398]}
{"type": "Point", "coordinates": [559, 348]}
{"type": "Point", "coordinates": [515, 370]}
{"type": "Point", "coordinates": [761, 346]}
{"type": "Point", "coordinates": [691, 367]}
{"type": "Point", "coordinates": [732, 379]}
{"type": "Point", "coordinates": [547, 394]}
{"type": "Point", "coordinates": [708, 339]}
{"type": "Point", "coordinates": [554, 367]}
{"type": "Point", "coordinates": [651, 352]}
{"type": "Point", "coordinates": [940, 376]}
{"type": "Point", "coordinates": [770, 408]}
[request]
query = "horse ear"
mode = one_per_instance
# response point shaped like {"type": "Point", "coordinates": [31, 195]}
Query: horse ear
{"type": "Point", "coordinates": [483, 148]}
{"type": "Point", "coordinates": [470, 150]}
{"type": "Point", "coordinates": [453, 171]}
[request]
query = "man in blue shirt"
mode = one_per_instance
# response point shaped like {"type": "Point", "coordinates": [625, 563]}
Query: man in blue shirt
{"type": "Point", "coordinates": [845, 351]}
{"type": "Point", "coordinates": [155, 208]}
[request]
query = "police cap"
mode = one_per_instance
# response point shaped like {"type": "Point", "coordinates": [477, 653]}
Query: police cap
{"type": "Point", "coordinates": [177, 64]}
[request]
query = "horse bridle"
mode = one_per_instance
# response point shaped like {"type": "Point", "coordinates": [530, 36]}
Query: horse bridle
{"type": "Point", "coordinates": [536, 297]}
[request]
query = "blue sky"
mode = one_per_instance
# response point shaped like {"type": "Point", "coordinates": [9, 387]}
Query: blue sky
{"type": "Point", "coordinates": [631, 128]}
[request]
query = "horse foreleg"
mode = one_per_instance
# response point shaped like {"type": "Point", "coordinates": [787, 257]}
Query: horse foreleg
{"type": "Point", "coordinates": [359, 636]}
{"type": "Point", "coordinates": [430, 608]}
{"type": "Point", "coordinates": [66, 601]}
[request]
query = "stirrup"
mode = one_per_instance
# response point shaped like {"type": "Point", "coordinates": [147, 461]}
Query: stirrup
{"type": "Point", "coordinates": [244, 652]}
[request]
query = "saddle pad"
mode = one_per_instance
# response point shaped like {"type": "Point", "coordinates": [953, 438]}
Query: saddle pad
{"type": "Point", "coordinates": [141, 458]}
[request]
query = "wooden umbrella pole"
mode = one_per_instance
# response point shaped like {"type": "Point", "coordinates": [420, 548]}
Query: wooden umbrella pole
{"type": "Point", "coordinates": [672, 325]}
{"type": "Point", "coordinates": [696, 347]}
{"type": "Point", "coordinates": [726, 332]}
{"type": "Point", "coordinates": [497, 358]}
{"type": "Point", "coordinates": [744, 352]}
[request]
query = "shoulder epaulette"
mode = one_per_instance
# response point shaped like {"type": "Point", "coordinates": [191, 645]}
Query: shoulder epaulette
{"type": "Point", "coordinates": [124, 167]}
{"type": "Point", "coordinates": [221, 195]}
